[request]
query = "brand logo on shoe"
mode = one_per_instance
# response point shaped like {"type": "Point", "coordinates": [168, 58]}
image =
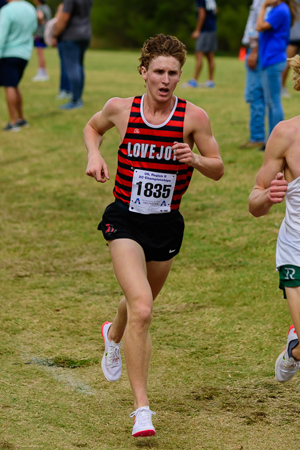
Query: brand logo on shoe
{"type": "Point", "coordinates": [172, 251]}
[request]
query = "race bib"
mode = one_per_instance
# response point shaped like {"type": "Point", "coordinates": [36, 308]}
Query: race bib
{"type": "Point", "coordinates": [152, 192]}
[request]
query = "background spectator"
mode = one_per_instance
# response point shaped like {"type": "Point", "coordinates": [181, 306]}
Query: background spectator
{"type": "Point", "coordinates": [18, 22]}
{"type": "Point", "coordinates": [43, 14]}
{"type": "Point", "coordinates": [292, 50]}
{"type": "Point", "coordinates": [64, 83]}
{"type": "Point", "coordinates": [205, 34]}
{"type": "Point", "coordinates": [273, 41]}
{"type": "Point", "coordinates": [253, 88]}
{"type": "Point", "coordinates": [73, 31]}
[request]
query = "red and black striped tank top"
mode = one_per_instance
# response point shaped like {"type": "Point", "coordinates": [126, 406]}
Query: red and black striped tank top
{"type": "Point", "coordinates": [148, 147]}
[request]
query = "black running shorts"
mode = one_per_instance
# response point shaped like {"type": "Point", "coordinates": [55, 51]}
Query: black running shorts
{"type": "Point", "coordinates": [11, 71]}
{"type": "Point", "coordinates": [160, 235]}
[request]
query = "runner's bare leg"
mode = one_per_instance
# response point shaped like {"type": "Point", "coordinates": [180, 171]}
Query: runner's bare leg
{"type": "Point", "coordinates": [141, 283]}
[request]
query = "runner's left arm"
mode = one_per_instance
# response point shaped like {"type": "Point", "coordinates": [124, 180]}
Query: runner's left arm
{"type": "Point", "coordinates": [198, 131]}
{"type": "Point", "coordinates": [270, 186]}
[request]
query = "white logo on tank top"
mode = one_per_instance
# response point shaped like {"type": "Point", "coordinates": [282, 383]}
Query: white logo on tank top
{"type": "Point", "coordinates": [141, 150]}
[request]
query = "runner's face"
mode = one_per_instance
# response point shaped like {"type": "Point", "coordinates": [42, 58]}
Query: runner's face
{"type": "Point", "coordinates": [162, 77]}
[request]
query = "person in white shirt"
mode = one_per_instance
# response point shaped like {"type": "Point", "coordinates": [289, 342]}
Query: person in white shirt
{"type": "Point", "coordinates": [292, 50]}
{"type": "Point", "coordinates": [253, 89]}
{"type": "Point", "coordinates": [279, 179]}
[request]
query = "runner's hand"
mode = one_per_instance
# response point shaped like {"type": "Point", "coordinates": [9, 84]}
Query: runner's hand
{"type": "Point", "coordinates": [183, 153]}
{"type": "Point", "coordinates": [97, 168]}
{"type": "Point", "coordinates": [278, 189]}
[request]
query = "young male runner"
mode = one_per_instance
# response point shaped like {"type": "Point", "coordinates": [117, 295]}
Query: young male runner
{"type": "Point", "coordinates": [271, 187]}
{"type": "Point", "coordinates": [144, 227]}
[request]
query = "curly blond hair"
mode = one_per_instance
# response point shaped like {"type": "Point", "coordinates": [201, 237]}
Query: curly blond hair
{"type": "Point", "coordinates": [295, 65]}
{"type": "Point", "coordinates": [161, 45]}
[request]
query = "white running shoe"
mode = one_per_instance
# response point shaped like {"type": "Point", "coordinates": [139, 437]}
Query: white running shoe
{"type": "Point", "coordinates": [40, 77]}
{"type": "Point", "coordinates": [286, 367]}
{"type": "Point", "coordinates": [143, 422]}
{"type": "Point", "coordinates": [111, 362]}
{"type": "Point", "coordinates": [64, 95]}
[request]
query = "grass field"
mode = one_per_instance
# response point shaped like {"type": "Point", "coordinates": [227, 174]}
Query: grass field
{"type": "Point", "coordinates": [219, 323]}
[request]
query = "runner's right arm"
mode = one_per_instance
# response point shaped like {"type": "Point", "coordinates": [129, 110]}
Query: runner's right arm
{"type": "Point", "coordinates": [115, 113]}
{"type": "Point", "coordinates": [93, 133]}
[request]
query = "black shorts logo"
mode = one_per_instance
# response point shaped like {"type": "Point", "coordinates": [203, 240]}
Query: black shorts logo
{"type": "Point", "coordinates": [110, 229]}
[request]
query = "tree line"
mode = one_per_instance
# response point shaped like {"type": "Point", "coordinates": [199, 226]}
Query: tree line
{"type": "Point", "coordinates": [118, 24]}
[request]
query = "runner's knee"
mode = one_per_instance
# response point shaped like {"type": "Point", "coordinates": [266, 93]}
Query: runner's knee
{"type": "Point", "coordinates": [140, 315]}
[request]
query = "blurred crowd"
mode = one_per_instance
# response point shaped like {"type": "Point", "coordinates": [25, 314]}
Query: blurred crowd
{"type": "Point", "coordinates": [23, 27]}
{"type": "Point", "coordinates": [272, 35]}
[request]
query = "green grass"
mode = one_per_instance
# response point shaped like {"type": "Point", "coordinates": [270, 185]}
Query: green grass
{"type": "Point", "coordinates": [219, 323]}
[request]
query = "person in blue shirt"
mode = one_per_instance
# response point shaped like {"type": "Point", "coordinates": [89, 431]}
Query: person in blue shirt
{"type": "Point", "coordinates": [274, 35]}
{"type": "Point", "coordinates": [205, 34]}
{"type": "Point", "coordinates": [292, 50]}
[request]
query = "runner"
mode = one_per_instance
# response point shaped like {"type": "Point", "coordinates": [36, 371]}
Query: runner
{"type": "Point", "coordinates": [271, 187]}
{"type": "Point", "coordinates": [143, 227]}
